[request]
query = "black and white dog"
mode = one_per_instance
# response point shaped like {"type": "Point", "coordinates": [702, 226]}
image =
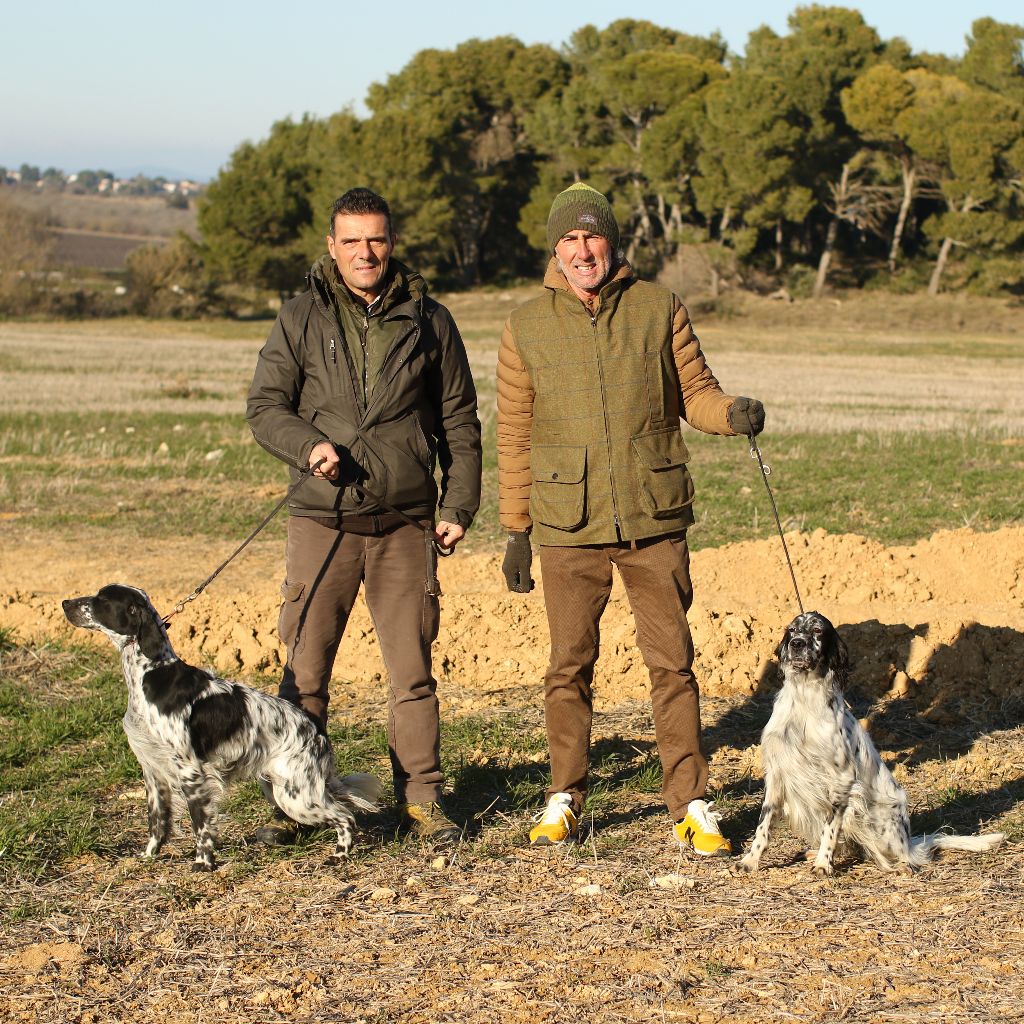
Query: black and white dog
{"type": "Point", "coordinates": [823, 772]}
{"type": "Point", "coordinates": [193, 733]}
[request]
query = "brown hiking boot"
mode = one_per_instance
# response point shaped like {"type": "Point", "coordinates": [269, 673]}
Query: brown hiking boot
{"type": "Point", "coordinates": [429, 822]}
{"type": "Point", "coordinates": [280, 830]}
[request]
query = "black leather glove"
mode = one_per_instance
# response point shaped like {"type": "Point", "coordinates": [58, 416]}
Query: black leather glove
{"type": "Point", "coordinates": [746, 416]}
{"type": "Point", "coordinates": [516, 566]}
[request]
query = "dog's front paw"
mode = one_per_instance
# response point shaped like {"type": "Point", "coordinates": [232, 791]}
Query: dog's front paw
{"type": "Point", "coordinates": [822, 869]}
{"type": "Point", "coordinates": [748, 864]}
{"type": "Point", "coordinates": [204, 865]}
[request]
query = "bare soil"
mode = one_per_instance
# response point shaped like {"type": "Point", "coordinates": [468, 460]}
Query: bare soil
{"type": "Point", "coordinates": [620, 927]}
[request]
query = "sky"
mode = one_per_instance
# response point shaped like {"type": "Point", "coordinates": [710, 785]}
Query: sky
{"type": "Point", "coordinates": [173, 88]}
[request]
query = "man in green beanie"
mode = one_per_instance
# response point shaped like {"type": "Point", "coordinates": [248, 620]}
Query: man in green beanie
{"type": "Point", "coordinates": [594, 377]}
{"type": "Point", "coordinates": [366, 375]}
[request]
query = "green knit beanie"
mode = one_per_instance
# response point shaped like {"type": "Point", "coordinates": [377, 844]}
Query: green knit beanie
{"type": "Point", "coordinates": [581, 208]}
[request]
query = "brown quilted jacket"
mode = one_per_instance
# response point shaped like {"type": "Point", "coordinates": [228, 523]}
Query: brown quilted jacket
{"type": "Point", "coordinates": [590, 449]}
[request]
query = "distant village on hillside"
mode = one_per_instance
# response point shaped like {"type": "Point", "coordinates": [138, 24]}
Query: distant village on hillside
{"type": "Point", "coordinates": [96, 182]}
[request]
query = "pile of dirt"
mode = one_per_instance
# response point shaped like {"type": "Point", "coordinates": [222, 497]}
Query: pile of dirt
{"type": "Point", "coordinates": [940, 620]}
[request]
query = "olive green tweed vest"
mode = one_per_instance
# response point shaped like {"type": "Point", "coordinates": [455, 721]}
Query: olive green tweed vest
{"type": "Point", "coordinates": [607, 457]}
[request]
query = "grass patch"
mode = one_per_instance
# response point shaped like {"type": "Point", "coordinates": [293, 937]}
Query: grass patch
{"type": "Point", "coordinates": [893, 488]}
{"type": "Point", "coordinates": [61, 748]}
{"type": "Point", "coordinates": [204, 476]}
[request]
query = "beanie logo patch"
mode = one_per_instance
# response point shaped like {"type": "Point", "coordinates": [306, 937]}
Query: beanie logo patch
{"type": "Point", "coordinates": [587, 218]}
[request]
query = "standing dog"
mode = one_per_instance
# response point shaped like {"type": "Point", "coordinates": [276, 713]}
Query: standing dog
{"type": "Point", "coordinates": [823, 772]}
{"type": "Point", "coordinates": [193, 733]}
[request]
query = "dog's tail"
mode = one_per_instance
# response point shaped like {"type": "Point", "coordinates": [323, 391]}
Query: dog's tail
{"type": "Point", "coordinates": [362, 789]}
{"type": "Point", "coordinates": [923, 848]}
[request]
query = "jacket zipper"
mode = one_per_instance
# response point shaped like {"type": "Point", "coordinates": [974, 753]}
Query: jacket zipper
{"type": "Point", "coordinates": [607, 426]}
{"type": "Point", "coordinates": [366, 357]}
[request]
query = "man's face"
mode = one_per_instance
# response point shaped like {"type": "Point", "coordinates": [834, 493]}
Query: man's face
{"type": "Point", "coordinates": [361, 247]}
{"type": "Point", "coordinates": [586, 261]}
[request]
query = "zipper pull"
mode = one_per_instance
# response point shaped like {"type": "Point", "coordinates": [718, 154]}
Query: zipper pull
{"type": "Point", "coordinates": [334, 353]}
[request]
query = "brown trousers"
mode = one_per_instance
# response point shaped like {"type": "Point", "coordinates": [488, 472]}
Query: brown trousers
{"type": "Point", "coordinates": [577, 583]}
{"type": "Point", "coordinates": [324, 568]}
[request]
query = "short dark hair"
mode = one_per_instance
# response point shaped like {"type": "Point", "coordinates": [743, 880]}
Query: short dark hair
{"type": "Point", "coordinates": [360, 201]}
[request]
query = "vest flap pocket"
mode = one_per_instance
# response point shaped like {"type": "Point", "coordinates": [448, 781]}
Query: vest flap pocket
{"type": "Point", "coordinates": [560, 463]}
{"type": "Point", "coordinates": [665, 484]}
{"type": "Point", "coordinates": [663, 449]}
{"type": "Point", "coordinates": [557, 497]}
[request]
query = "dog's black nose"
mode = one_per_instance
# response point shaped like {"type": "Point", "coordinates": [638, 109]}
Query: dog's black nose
{"type": "Point", "coordinates": [797, 643]}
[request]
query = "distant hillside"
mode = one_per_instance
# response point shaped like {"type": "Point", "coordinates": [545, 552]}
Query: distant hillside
{"type": "Point", "coordinates": [99, 231]}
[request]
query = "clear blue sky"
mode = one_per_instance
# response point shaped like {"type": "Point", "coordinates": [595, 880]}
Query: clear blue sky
{"type": "Point", "coordinates": [173, 87]}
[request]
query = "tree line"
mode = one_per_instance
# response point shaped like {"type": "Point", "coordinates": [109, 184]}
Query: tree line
{"type": "Point", "coordinates": [825, 153]}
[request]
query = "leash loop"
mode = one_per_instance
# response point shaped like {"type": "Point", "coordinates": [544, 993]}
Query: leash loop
{"type": "Point", "coordinates": [755, 453]}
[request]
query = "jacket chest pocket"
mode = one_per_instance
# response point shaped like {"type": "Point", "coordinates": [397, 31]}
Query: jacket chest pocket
{"type": "Point", "coordinates": [663, 479]}
{"type": "Point", "coordinates": [558, 493]}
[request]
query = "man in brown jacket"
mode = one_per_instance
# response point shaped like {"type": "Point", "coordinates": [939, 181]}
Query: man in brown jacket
{"type": "Point", "coordinates": [367, 373]}
{"type": "Point", "coordinates": [593, 378]}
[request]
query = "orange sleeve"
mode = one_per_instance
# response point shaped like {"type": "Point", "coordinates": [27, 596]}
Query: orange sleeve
{"type": "Point", "coordinates": [704, 404]}
{"type": "Point", "coordinates": [515, 424]}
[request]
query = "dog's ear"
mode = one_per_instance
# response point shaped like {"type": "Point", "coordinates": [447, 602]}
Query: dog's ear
{"type": "Point", "coordinates": [842, 657]}
{"type": "Point", "coordinates": [151, 637]}
{"type": "Point", "coordinates": [781, 649]}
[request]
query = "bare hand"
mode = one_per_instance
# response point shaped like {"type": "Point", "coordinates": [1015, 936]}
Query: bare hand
{"type": "Point", "coordinates": [331, 464]}
{"type": "Point", "coordinates": [448, 534]}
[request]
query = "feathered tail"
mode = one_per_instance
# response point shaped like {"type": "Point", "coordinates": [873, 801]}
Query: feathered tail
{"type": "Point", "coordinates": [922, 848]}
{"type": "Point", "coordinates": [362, 789]}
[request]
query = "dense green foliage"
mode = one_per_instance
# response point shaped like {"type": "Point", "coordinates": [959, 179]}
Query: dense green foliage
{"type": "Point", "coordinates": [827, 150]}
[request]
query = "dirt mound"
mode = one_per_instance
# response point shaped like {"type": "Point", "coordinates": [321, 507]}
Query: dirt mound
{"type": "Point", "coordinates": [938, 620]}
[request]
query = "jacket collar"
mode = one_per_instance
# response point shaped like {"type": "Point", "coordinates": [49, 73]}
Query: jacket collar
{"type": "Point", "coordinates": [402, 286]}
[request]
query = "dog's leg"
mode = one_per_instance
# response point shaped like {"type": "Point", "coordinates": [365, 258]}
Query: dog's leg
{"type": "Point", "coordinates": [343, 826]}
{"type": "Point", "coordinates": [829, 840]}
{"type": "Point", "coordinates": [200, 798]}
{"type": "Point", "coordinates": [752, 860]}
{"type": "Point", "coordinates": [161, 810]}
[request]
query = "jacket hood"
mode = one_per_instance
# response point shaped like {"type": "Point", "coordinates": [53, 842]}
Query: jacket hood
{"type": "Point", "coordinates": [402, 283]}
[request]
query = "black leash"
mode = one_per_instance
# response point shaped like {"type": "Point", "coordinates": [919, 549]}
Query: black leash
{"type": "Point", "coordinates": [432, 585]}
{"type": "Point", "coordinates": [367, 493]}
{"type": "Point", "coordinates": [305, 475]}
{"type": "Point", "coordinates": [755, 453]}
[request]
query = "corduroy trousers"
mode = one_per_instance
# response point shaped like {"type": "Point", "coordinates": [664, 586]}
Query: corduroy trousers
{"type": "Point", "coordinates": [324, 570]}
{"type": "Point", "coordinates": [577, 584]}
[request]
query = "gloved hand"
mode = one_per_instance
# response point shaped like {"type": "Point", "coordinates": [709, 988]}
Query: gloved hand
{"type": "Point", "coordinates": [516, 566]}
{"type": "Point", "coordinates": [746, 416]}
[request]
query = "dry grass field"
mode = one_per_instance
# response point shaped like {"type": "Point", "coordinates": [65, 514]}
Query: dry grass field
{"type": "Point", "coordinates": [896, 436]}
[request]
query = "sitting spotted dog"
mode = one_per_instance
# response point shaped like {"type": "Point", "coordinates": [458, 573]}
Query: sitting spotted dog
{"type": "Point", "coordinates": [194, 733]}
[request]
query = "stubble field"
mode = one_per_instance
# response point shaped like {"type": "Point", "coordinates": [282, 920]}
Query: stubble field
{"type": "Point", "coordinates": [896, 438]}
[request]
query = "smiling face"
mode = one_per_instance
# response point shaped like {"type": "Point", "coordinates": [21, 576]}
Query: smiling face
{"type": "Point", "coordinates": [361, 246]}
{"type": "Point", "coordinates": [586, 261]}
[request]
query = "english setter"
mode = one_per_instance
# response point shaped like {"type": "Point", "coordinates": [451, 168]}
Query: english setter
{"type": "Point", "coordinates": [823, 772]}
{"type": "Point", "coordinates": [193, 733]}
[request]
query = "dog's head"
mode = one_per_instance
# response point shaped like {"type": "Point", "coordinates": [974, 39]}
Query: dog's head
{"type": "Point", "coordinates": [811, 644]}
{"type": "Point", "coordinates": [124, 614]}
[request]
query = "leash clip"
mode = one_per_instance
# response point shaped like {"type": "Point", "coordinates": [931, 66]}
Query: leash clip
{"type": "Point", "coordinates": [755, 454]}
